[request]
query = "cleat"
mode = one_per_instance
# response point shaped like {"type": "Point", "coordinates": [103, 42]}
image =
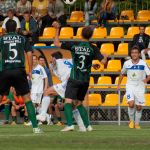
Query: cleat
{"type": "Point", "coordinates": [40, 123]}
{"type": "Point", "coordinates": [5, 122]}
{"type": "Point", "coordinates": [13, 123]}
{"type": "Point", "coordinates": [60, 123]}
{"type": "Point", "coordinates": [131, 124]}
{"type": "Point", "coordinates": [137, 127]}
{"type": "Point", "coordinates": [68, 128]}
{"type": "Point", "coordinates": [83, 129]}
{"type": "Point", "coordinates": [41, 118]}
{"type": "Point", "coordinates": [89, 128]}
{"type": "Point", "coordinates": [28, 124]}
{"type": "Point", "coordinates": [37, 130]}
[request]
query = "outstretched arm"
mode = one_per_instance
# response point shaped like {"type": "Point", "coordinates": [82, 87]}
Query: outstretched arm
{"type": "Point", "coordinates": [120, 80]}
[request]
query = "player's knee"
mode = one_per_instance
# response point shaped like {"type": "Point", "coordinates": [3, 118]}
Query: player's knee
{"type": "Point", "coordinates": [26, 97]}
{"type": "Point", "coordinates": [67, 100]}
{"type": "Point", "coordinates": [131, 104]}
{"type": "Point", "coordinates": [56, 106]}
{"type": "Point", "coordinates": [138, 108]}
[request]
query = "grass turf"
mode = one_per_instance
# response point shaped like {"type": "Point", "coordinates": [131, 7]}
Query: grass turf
{"type": "Point", "coordinates": [104, 137]}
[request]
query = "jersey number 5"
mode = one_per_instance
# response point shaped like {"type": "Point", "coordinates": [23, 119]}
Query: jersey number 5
{"type": "Point", "coordinates": [13, 50]}
{"type": "Point", "coordinates": [82, 58]}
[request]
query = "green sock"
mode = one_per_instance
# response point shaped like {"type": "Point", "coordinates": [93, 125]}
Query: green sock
{"type": "Point", "coordinates": [31, 113]}
{"type": "Point", "coordinates": [59, 119]}
{"type": "Point", "coordinates": [7, 112]}
{"type": "Point", "coordinates": [14, 118]}
{"type": "Point", "coordinates": [68, 113]}
{"type": "Point", "coordinates": [84, 115]}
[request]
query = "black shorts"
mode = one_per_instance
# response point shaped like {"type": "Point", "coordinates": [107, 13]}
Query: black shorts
{"type": "Point", "coordinates": [16, 78]}
{"type": "Point", "coordinates": [76, 90]}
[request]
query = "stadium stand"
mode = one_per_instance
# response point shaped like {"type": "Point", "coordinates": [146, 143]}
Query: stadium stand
{"type": "Point", "coordinates": [76, 16]}
{"type": "Point", "coordinates": [116, 32]}
{"type": "Point", "coordinates": [107, 48]}
{"type": "Point", "coordinates": [49, 32]}
{"type": "Point", "coordinates": [100, 33]}
{"type": "Point", "coordinates": [113, 66]}
{"type": "Point", "coordinates": [78, 35]}
{"type": "Point", "coordinates": [143, 15]}
{"type": "Point", "coordinates": [94, 100]}
{"type": "Point", "coordinates": [131, 32]}
{"type": "Point", "coordinates": [128, 13]}
{"type": "Point", "coordinates": [122, 49]}
{"type": "Point", "coordinates": [66, 33]}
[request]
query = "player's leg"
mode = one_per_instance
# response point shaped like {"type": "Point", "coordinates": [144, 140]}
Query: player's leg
{"type": "Point", "coordinates": [26, 119]}
{"type": "Point", "coordinates": [58, 107]}
{"type": "Point", "coordinates": [7, 112]}
{"type": "Point", "coordinates": [138, 115]}
{"type": "Point", "coordinates": [14, 115]}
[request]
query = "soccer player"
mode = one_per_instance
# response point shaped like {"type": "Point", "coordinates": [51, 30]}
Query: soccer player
{"type": "Point", "coordinates": [83, 53]}
{"type": "Point", "coordinates": [136, 70]}
{"type": "Point", "coordinates": [12, 68]}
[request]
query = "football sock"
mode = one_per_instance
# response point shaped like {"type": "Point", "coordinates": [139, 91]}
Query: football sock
{"type": "Point", "coordinates": [14, 118]}
{"type": "Point", "coordinates": [26, 118]}
{"type": "Point", "coordinates": [68, 114]}
{"type": "Point", "coordinates": [31, 113]}
{"type": "Point", "coordinates": [138, 115]}
{"type": "Point", "coordinates": [78, 118]}
{"type": "Point", "coordinates": [131, 113]}
{"type": "Point", "coordinates": [7, 112]}
{"type": "Point", "coordinates": [59, 119]}
{"type": "Point", "coordinates": [84, 115]}
{"type": "Point", "coordinates": [45, 105]}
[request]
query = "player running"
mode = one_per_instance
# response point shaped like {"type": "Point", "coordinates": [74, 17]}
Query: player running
{"type": "Point", "coordinates": [83, 53]}
{"type": "Point", "coordinates": [12, 66]}
{"type": "Point", "coordinates": [136, 70]}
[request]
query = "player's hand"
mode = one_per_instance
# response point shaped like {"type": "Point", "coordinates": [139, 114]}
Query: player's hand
{"type": "Point", "coordinates": [17, 107]}
{"type": "Point", "coordinates": [30, 75]}
{"type": "Point", "coordinates": [145, 81]}
{"type": "Point", "coordinates": [56, 25]}
{"type": "Point", "coordinates": [96, 66]}
{"type": "Point", "coordinates": [118, 87]}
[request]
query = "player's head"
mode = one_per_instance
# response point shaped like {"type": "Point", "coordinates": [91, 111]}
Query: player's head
{"type": "Point", "coordinates": [10, 13]}
{"type": "Point", "coordinates": [87, 32]}
{"type": "Point", "coordinates": [35, 60]}
{"type": "Point", "coordinates": [135, 53]}
{"type": "Point", "coordinates": [41, 60]}
{"type": "Point", "coordinates": [142, 29]}
{"type": "Point", "coordinates": [27, 16]}
{"type": "Point", "coordinates": [54, 56]}
{"type": "Point", "coordinates": [11, 26]}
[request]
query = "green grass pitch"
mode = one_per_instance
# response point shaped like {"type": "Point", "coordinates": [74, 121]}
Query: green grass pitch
{"type": "Point", "coordinates": [104, 137]}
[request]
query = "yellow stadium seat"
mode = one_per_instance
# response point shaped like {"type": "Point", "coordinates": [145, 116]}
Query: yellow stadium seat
{"type": "Point", "coordinates": [113, 65]}
{"type": "Point", "coordinates": [101, 66]}
{"type": "Point", "coordinates": [94, 100]}
{"type": "Point", "coordinates": [124, 101]}
{"type": "Point", "coordinates": [116, 32]}
{"type": "Point", "coordinates": [91, 82]}
{"type": "Point", "coordinates": [122, 49]}
{"type": "Point", "coordinates": [143, 15]}
{"type": "Point", "coordinates": [128, 13]}
{"type": "Point", "coordinates": [107, 48]}
{"type": "Point", "coordinates": [147, 30]}
{"type": "Point", "coordinates": [39, 44]}
{"type": "Point", "coordinates": [102, 81]}
{"type": "Point", "coordinates": [66, 33]}
{"type": "Point", "coordinates": [49, 32]}
{"type": "Point", "coordinates": [100, 33]}
{"type": "Point", "coordinates": [111, 100]}
{"type": "Point", "coordinates": [79, 33]}
{"type": "Point", "coordinates": [123, 83]}
{"type": "Point", "coordinates": [76, 16]}
{"type": "Point", "coordinates": [147, 99]}
{"type": "Point", "coordinates": [131, 32]}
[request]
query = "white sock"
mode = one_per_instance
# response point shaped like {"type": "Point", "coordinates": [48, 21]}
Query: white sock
{"type": "Point", "coordinates": [131, 113]}
{"type": "Point", "coordinates": [78, 119]}
{"type": "Point", "coordinates": [143, 55]}
{"type": "Point", "coordinates": [148, 54]}
{"type": "Point", "coordinates": [138, 116]}
{"type": "Point", "coordinates": [45, 105]}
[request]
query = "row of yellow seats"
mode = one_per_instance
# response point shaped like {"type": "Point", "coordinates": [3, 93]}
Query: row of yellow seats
{"type": "Point", "coordinates": [111, 100]}
{"type": "Point", "coordinates": [112, 66]}
{"type": "Point", "coordinates": [116, 32]}
{"type": "Point", "coordinates": [143, 15]}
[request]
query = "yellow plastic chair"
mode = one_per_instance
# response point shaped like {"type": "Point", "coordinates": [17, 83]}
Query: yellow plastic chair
{"type": "Point", "coordinates": [131, 32]}
{"type": "Point", "coordinates": [123, 83]}
{"type": "Point", "coordinates": [128, 13]}
{"type": "Point", "coordinates": [99, 33]}
{"type": "Point", "coordinates": [76, 16]}
{"type": "Point", "coordinates": [91, 82]}
{"type": "Point", "coordinates": [107, 48]}
{"type": "Point", "coordinates": [102, 81]}
{"type": "Point", "coordinates": [79, 33]}
{"type": "Point", "coordinates": [147, 30]}
{"type": "Point", "coordinates": [39, 44]}
{"type": "Point", "coordinates": [101, 66]}
{"type": "Point", "coordinates": [116, 32]}
{"type": "Point", "coordinates": [124, 101]}
{"type": "Point", "coordinates": [143, 15]}
{"type": "Point", "coordinates": [66, 33]}
{"type": "Point", "coordinates": [111, 100]}
{"type": "Point", "coordinates": [113, 65]}
{"type": "Point", "coordinates": [94, 100]}
{"type": "Point", "coordinates": [49, 32]}
{"type": "Point", "coordinates": [122, 49]}
{"type": "Point", "coordinates": [147, 99]}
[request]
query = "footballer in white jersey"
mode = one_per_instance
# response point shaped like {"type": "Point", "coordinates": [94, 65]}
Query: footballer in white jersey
{"type": "Point", "coordinates": [138, 74]}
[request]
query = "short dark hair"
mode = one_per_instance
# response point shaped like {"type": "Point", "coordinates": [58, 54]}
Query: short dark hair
{"type": "Point", "coordinates": [142, 26]}
{"type": "Point", "coordinates": [57, 55]}
{"type": "Point", "coordinates": [27, 12]}
{"type": "Point", "coordinates": [41, 57]}
{"type": "Point", "coordinates": [34, 56]}
{"type": "Point", "coordinates": [135, 47]}
{"type": "Point", "coordinates": [11, 10]}
{"type": "Point", "coordinates": [11, 25]}
{"type": "Point", "coordinates": [87, 32]}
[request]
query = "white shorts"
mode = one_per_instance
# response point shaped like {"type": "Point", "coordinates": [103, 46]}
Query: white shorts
{"type": "Point", "coordinates": [136, 93]}
{"type": "Point", "coordinates": [61, 88]}
{"type": "Point", "coordinates": [36, 97]}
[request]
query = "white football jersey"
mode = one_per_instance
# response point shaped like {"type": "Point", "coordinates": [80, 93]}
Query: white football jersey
{"type": "Point", "coordinates": [62, 69]}
{"type": "Point", "coordinates": [38, 76]}
{"type": "Point", "coordinates": [136, 73]}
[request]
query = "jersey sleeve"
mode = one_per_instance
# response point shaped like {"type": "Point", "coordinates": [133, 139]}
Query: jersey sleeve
{"type": "Point", "coordinates": [147, 70]}
{"type": "Point", "coordinates": [124, 70]}
{"type": "Point", "coordinates": [97, 54]}
{"type": "Point", "coordinates": [28, 46]}
{"type": "Point", "coordinates": [43, 73]}
{"type": "Point", "coordinates": [67, 45]}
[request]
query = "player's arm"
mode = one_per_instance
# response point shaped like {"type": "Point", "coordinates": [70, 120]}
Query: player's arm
{"type": "Point", "coordinates": [147, 71]}
{"type": "Point", "coordinates": [46, 83]}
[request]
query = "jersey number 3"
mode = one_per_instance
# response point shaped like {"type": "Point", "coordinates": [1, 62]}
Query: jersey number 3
{"type": "Point", "coordinates": [82, 58]}
{"type": "Point", "coordinates": [13, 50]}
